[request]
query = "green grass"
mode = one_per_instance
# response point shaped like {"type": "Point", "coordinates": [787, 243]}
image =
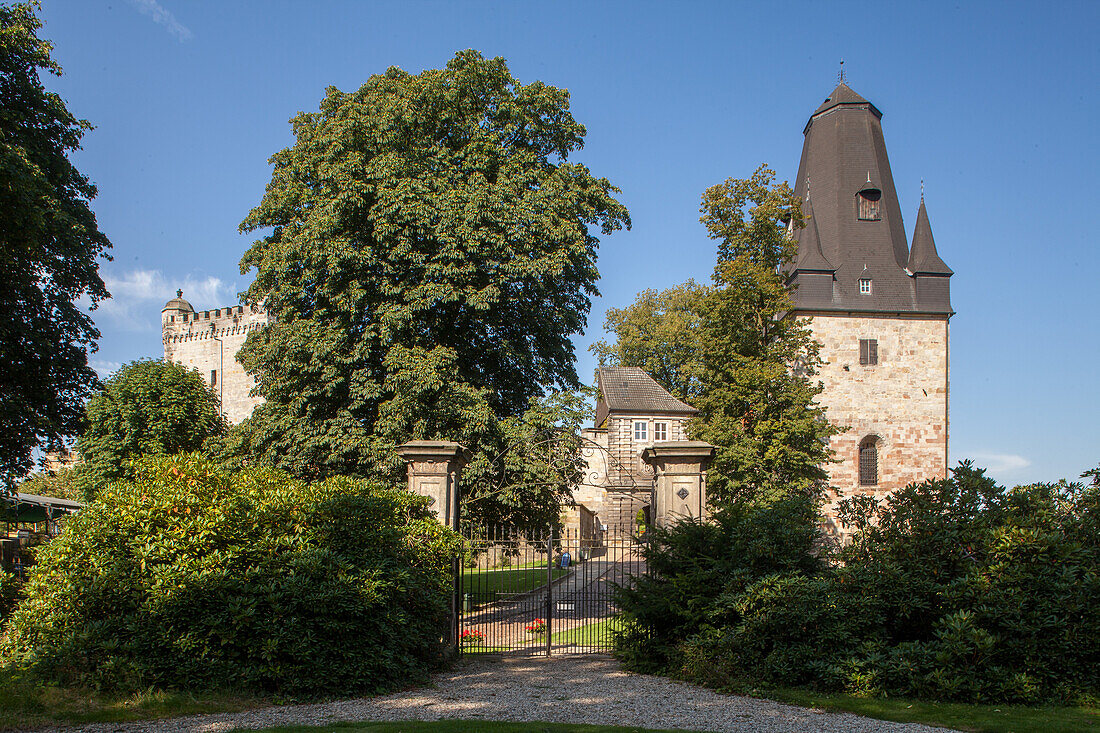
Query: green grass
{"type": "Point", "coordinates": [486, 586]}
{"type": "Point", "coordinates": [465, 726]}
{"type": "Point", "coordinates": [598, 632]}
{"type": "Point", "coordinates": [979, 718]}
{"type": "Point", "coordinates": [26, 703]}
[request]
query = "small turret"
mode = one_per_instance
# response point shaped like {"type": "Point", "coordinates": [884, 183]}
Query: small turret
{"type": "Point", "coordinates": [175, 309]}
{"type": "Point", "coordinates": [931, 275]}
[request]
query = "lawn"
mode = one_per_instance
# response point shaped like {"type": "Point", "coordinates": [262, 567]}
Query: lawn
{"type": "Point", "coordinates": [597, 633]}
{"type": "Point", "coordinates": [978, 718]}
{"type": "Point", "coordinates": [486, 586]}
{"type": "Point", "coordinates": [25, 704]}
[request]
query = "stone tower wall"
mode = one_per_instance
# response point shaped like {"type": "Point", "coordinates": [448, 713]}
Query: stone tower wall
{"type": "Point", "coordinates": [209, 341]}
{"type": "Point", "coordinates": [903, 400]}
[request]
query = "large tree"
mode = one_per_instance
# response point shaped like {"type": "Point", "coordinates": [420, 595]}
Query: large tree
{"type": "Point", "coordinates": [733, 350]}
{"type": "Point", "coordinates": [49, 245]}
{"type": "Point", "coordinates": [758, 397]}
{"type": "Point", "coordinates": [148, 407]}
{"type": "Point", "coordinates": [430, 252]}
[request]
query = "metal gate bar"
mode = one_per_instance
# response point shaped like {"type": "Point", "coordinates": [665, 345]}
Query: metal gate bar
{"type": "Point", "coordinates": [542, 594]}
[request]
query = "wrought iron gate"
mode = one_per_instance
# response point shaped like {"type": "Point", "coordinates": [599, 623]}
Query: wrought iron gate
{"type": "Point", "coordinates": [544, 594]}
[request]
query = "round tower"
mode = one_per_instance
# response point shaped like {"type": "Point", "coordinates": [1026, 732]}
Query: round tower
{"type": "Point", "coordinates": [175, 310]}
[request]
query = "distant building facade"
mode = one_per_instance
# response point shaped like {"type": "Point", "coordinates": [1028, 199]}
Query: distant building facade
{"type": "Point", "coordinates": [209, 341]}
{"type": "Point", "coordinates": [879, 307]}
{"type": "Point", "coordinates": [632, 413]}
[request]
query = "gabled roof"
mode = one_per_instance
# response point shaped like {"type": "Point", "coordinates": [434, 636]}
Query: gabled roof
{"type": "Point", "coordinates": [631, 390]}
{"type": "Point", "coordinates": [923, 258]}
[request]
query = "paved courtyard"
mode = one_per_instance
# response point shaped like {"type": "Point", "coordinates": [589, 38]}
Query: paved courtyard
{"type": "Point", "coordinates": [571, 689]}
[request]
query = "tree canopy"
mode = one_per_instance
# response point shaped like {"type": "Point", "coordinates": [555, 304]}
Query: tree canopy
{"type": "Point", "coordinates": [732, 349]}
{"type": "Point", "coordinates": [49, 245]}
{"type": "Point", "coordinates": [147, 407]}
{"type": "Point", "coordinates": [430, 252]}
{"type": "Point", "coordinates": [659, 332]}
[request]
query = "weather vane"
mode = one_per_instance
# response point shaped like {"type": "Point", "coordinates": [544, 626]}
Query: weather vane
{"type": "Point", "coordinates": [840, 74]}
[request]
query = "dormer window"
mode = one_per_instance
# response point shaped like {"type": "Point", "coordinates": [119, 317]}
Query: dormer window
{"type": "Point", "coordinates": [870, 200]}
{"type": "Point", "coordinates": [865, 286]}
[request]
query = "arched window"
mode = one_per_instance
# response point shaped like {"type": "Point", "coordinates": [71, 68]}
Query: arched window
{"type": "Point", "coordinates": [868, 461]}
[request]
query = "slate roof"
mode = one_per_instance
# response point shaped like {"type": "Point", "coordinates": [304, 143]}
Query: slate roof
{"type": "Point", "coordinates": [923, 257]}
{"type": "Point", "coordinates": [844, 148]}
{"type": "Point", "coordinates": [631, 390]}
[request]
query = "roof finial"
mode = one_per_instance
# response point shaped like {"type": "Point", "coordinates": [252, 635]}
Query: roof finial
{"type": "Point", "coordinates": [840, 74]}
{"type": "Point", "coordinates": [922, 190]}
{"type": "Point", "coordinates": [179, 293]}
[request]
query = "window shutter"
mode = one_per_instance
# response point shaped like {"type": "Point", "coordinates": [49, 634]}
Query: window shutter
{"type": "Point", "coordinates": [872, 351]}
{"type": "Point", "coordinates": [863, 351]}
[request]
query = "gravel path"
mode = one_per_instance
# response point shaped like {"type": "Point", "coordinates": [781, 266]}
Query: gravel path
{"type": "Point", "coordinates": [580, 689]}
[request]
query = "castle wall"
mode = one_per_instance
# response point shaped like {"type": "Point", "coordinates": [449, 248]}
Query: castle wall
{"type": "Point", "coordinates": [902, 400]}
{"type": "Point", "coordinates": [209, 341]}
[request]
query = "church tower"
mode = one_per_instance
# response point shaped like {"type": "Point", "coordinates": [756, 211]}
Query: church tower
{"type": "Point", "coordinates": [879, 307]}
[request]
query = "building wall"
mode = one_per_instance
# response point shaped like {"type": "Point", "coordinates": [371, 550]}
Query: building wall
{"type": "Point", "coordinates": [617, 482]}
{"type": "Point", "coordinates": [209, 341]}
{"type": "Point", "coordinates": [903, 400]}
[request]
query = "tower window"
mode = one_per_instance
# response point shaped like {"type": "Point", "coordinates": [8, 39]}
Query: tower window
{"type": "Point", "coordinates": [868, 461]}
{"type": "Point", "coordinates": [869, 204]}
{"type": "Point", "coordinates": [660, 431]}
{"type": "Point", "coordinates": [640, 430]}
{"type": "Point", "coordinates": [868, 352]}
{"type": "Point", "coordinates": [865, 286]}
{"type": "Point", "coordinates": [213, 377]}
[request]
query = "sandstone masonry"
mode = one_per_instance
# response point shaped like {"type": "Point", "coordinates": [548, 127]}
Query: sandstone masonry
{"type": "Point", "coordinates": [209, 341]}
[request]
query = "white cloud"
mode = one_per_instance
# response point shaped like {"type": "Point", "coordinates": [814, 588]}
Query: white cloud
{"type": "Point", "coordinates": [137, 297]}
{"type": "Point", "coordinates": [162, 17]}
{"type": "Point", "coordinates": [998, 463]}
{"type": "Point", "coordinates": [104, 368]}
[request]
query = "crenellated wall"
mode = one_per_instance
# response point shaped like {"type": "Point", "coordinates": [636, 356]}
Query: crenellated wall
{"type": "Point", "coordinates": [209, 341]}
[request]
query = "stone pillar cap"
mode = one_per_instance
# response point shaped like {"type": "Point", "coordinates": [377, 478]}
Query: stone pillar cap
{"type": "Point", "coordinates": [697, 448]}
{"type": "Point", "coordinates": [440, 449]}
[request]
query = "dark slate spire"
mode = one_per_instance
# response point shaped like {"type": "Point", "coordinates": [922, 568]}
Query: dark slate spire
{"type": "Point", "coordinates": [810, 257]}
{"type": "Point", "coordinates": [923, 258]}
{"type": "Point", "coordinates": [857, 226]}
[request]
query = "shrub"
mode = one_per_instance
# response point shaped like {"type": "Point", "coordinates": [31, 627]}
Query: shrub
{"type": "Point", "coordinates": [148, 407]}
{"type": "Point", "coordinates": [192, 576]}
{"type": "Point", "coordinates": [697, 571]}
{"type": "Point", "coordinates": [9, 593]}
{"type": "Point", "coordinates": [953, 589]}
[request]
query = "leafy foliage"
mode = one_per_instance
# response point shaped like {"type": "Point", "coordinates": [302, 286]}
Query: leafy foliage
{"type": "Point", "coordinates": [193, 576]}
{"type": "Point", "coordinates": [430, 255]}
{"type": "Point", "coordinates": [696, 571]}
{"type": "Point", "coordinates": [147, 407]}
{"type": "Point", "coordinates": [659, 332]}
{"type": "Point", "coordinates": [49, 243]}
{"type": "Point", "coordinates": [953, 589]}
{"type": "Point", "coordinates": [527, 465]}
{"type": "Point", "coordinates": [63, 483]}
{"type": "Point", "coordinates": [732, 350]}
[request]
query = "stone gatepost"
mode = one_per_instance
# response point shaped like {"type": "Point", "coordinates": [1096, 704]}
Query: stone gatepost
{"type": "Point", "coordinates": [680, 484]}
{"type": "Point", "coordinates": [434, 470]}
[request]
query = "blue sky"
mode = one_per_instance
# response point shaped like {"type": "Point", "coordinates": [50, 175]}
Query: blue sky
{"type": "Point", "coordinates": [994, 105]}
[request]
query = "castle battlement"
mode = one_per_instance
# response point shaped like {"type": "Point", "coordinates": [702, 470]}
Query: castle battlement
{"type": "Point", "coordinates": [209, 341]}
